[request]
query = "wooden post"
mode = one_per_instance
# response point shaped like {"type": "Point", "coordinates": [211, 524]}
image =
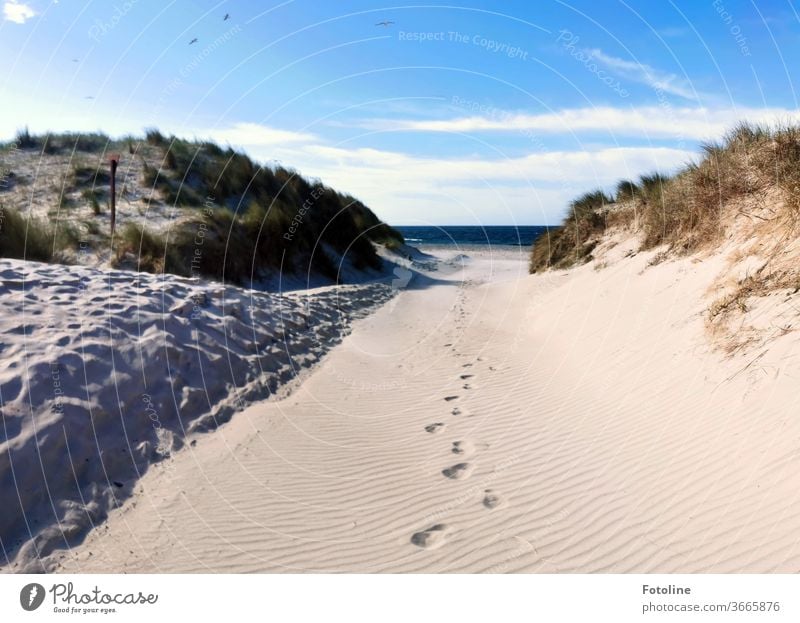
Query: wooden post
{"type": "Point", "coordinates": [114, 161]}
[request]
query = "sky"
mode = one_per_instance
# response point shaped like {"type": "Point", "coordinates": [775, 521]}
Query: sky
{"type": "Point", "coordinates": [469, 112]}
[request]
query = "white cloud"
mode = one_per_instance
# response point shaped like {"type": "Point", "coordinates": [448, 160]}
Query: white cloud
{"type": "Point", "coordinates": [535, 188]}
{"type": "Point", "coordinates": [645, 74]}
{"type": "Point", "coordinates": [406, 188]}
{"type": "Point", "coordinates": [646, 122]}
{"type": "Point", "coordinates": [554, 167]}
{"type": "Point", "coordinates": [257, 135]}
{"type": "Point", "coordinates": [17, 12]}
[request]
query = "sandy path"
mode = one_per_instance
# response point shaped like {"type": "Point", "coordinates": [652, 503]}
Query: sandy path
{"type": "Point", "coordinates": [573, 423]}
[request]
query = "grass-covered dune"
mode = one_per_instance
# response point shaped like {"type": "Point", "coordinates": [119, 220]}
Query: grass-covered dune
{"type": "Point", "coordinates": [692, 209]}
{"type": "Point", "coordinates": [183, 207]}
{"type": "Point", "coordinates": [738, 204]}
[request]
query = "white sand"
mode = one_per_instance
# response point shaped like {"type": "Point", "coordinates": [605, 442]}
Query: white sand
{"type": "Point", "coordinates": [486, 420]}
{"type": "Point", "coordinates": [106, 372]}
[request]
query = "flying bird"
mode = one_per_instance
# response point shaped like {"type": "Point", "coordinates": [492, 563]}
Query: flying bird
{"type": "Point", "coordinates": [89, 97]}
{"type": "Point", "coordinates": [384, 23]}
{"type": "Point", "coordinates": [227, 17]}
{"type": "Point", "coordinates": [193, 41]}
{"type": "Point", "coordinates": [75, 60]}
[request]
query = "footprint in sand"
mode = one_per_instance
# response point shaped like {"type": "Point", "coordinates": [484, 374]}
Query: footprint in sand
{"type": "Point", "coordinates": [467, 386]}
{"type": "Point", "coordinates": [436, 427]}
{"type": "Point", "coordinates": [467, 365]}
{"type": "Point", "coordinates": [464, 377]}
{"type": "Point", "coordinates": [491, 499]}
{"type": "Point", "coordinates": [449, 398]}
{"type": "Point", "coordinates": [463, 448]}
{"type": "Point", "coordinates": [459, 471]}
{"type": "Point", "coordinates": [456, 411]}
{"type": "Point", "coordinates": [430, 538]}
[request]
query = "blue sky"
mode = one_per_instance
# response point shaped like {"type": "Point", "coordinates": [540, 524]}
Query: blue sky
{"type": "Point", "coordinates": [473, 113]}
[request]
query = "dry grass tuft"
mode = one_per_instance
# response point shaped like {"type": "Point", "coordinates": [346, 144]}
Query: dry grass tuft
{"type": "Point", "coordinates": [575, 240]}
{"type": "Point", "coordinates": [26, 238]}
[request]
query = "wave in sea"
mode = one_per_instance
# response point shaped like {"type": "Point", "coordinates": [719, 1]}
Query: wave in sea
{"type": "Point", "coordinates": [455, 235]}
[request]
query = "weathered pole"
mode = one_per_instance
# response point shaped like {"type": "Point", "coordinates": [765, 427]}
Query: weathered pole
{"type": "Point", "coordinates": [114, 160]}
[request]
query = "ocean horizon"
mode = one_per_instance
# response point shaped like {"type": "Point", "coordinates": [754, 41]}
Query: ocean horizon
{"type": "Point", "coordinates": [456, 235]}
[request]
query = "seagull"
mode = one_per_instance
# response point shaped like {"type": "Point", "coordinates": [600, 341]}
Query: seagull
{"type": "Point", "coordinates": [75, 60]}
{"type": "Point", "coordinates": [227, 17]}
{"type": "Point", "coordinates": [193, 41]}
{"type": "Point", "coordinates": [384, 23]}
{"type": "Point", "coordinates": [89, 97]}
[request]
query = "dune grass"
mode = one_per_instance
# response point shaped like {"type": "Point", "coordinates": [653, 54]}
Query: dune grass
{"type": "Point", "coordinates": [49, 144]}
{"type": "Point", "coordinates": [223, 245]}
{"type": "Point", "coordinates": [238, 221]}
{"type": "Point", "coordinates": [575, 240]}
{"type": "Point", "coordinates": [23, 237]}
{"type": "Point", "coordinates": [152, 252]}
{"type": "Point", "coordinates": [684, 210]}
{"type": "Point", "coordinates": [261, 218]}
{"type": "Point", "coordinates": [249, 219]}
{"type": "Point", "coordinates": [627, 190]}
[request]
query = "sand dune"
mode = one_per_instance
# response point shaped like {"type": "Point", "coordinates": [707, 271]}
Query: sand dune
{"type": "Point", "coordinates": [107, 372]}
{"type": "Point", "coordinates": [495, 422]}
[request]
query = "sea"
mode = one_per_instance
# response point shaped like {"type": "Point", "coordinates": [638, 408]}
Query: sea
{"type": "Point", "coordinates": [465, 235]}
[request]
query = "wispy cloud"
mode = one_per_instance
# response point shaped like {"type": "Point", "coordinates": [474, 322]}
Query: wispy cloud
{"type": "Point", "coordinates": [645, 74]}
{"type": "Point", "coordinates": [257, 135]}
{"type": "Point", "coordinates": [311, 154]}
{"type": "Point", "coordinates": [533, 188]}
{"type": "Point", "coordinates": [645, 122]}
{"type": "Point", "coordinates": [584, 166]}
{"type": "Point", "coordinates": [17, 12]}
{"type": "Point", "coordinates": [405, 187]}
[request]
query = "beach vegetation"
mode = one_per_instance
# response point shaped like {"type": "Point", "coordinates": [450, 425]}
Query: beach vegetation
{"type": "Point", "coordinates": [627, 190]}
{"type": "Point", "coordinates": [235, 218]}
{"type": "Point", "coordinates": [30, 238]}
{"type": "Point", "coordinates": [686, 210]}
{"type": "Point", "coordinates": [147, 250]}
{"type": "Point", "coordinates": [574, 241]}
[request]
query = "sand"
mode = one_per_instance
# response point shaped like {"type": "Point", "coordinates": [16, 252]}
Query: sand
{"type": "Point", "coordinates": [106, 372]}
{"type": "Point", "coordinates": [485, 420]}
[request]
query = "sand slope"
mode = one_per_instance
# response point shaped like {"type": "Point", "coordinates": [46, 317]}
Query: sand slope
{"type": "Point", "coordinates": [490, 421]}
{"type": "Point", "coordinates": [106, 372]}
